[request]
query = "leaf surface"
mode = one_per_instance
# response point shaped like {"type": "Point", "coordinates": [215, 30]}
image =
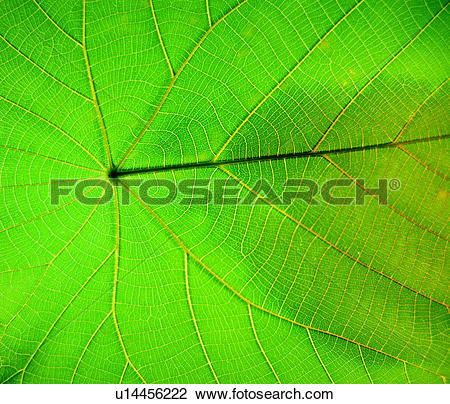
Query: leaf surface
{"type": "Point", "coordinates": [233, 91]}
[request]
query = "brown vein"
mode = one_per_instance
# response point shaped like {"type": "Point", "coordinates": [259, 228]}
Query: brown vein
{"type": "Point", "coordinates": [410, 42]}
{"type": "Point", "coordinates": [418, 109]}
{"type": "Point", "coordinates": [235, 292]}
{"type": "Point", "coordinates": [275, 157]}
{"type": "Point", "coordinates": [382, 200]}
{"type": "Point", "coordinates": [411, 118]}
{"type": "Point", "coordinates": [327, 241]}
{"type": "Point", "coordinates": [285, 78]}
{"type": "Point", "coordinates": [433, 170]}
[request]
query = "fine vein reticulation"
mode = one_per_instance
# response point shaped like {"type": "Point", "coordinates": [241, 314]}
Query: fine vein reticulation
{"type": "Point", "coordinates": [127, 292]}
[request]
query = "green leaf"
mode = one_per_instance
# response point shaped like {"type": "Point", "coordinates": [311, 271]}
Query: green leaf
{"type": "Point", "coordinates": [129, 291]}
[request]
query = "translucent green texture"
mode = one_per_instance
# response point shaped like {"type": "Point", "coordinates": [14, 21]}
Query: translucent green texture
{"type": "Point", "coordinates": [232, 294]}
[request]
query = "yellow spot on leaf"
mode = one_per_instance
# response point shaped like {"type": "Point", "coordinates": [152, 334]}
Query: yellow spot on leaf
{"type": "Point", "coordinates": [442, 194]}
{"type": "Point", "coordinates": [325, 45]}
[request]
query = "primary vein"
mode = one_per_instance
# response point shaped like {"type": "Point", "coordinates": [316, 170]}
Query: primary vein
{"type": "Point", "coordinates": [304, 154]}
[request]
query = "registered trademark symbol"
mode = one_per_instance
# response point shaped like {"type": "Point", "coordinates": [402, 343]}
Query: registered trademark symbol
{"type": "Point", "coordinates": [394, 184]}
